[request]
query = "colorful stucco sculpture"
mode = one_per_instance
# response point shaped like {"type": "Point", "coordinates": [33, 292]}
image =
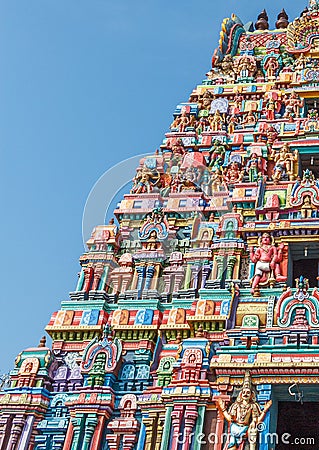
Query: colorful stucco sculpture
{"type": "Point", "coordinates": [195, 320]}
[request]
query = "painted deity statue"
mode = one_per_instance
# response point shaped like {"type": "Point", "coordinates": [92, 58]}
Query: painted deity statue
{"type": "Point", "coordinates": [293, 105]}
{"type": "Point", "coordinates": [271, 134]}
{"type": "Point", "coordinates": [144, 181]}
{"type": "Point", "coordinates": [250, 119]}
{"type": "Point", "coordinates": [284, 163]}
{"type": "Point", "coordinates": [216, 121]}
{"type": "Point", "coordinates": [271, 106]}
{"type": "Point", "coordinates": [254, 167]}
{"type": "Point", "coordinates": [233, 173]}
{"type": "Point", "coordinates": [245, 66]}
{"type": "Point", "coordinates": [244, 415]}
{"type": "Point", "coordinates": [227, 66]}
{"type": "Point", "coordinates": [267, 258]}
{"type": "Point", "coordinates": [217, 153]}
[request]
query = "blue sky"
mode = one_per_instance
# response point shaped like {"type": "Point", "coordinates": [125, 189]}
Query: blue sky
{"type": "Point", "coordinates": [84, 84]}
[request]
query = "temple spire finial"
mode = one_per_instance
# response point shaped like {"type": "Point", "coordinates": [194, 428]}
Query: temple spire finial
{"type": "Point", "coordinates": [262, 21]}
{"type": "Point", "coordinates": [282, 20]}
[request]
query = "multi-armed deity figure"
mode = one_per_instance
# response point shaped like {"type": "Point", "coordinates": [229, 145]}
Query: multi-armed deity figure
{"type": "Point", "coordinates": [243, 417]}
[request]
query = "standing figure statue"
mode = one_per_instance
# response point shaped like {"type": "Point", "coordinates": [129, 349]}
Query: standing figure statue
{"type": "Point", "coordinates": [216, 121]}
{"type": "Point", "coordinates": [267, 258]}
{"type": "Point", "coordinates": [217, 153]}
{"type": "Point", "coordinates": [271, 107]}
{"type": "Point", "coordinates": [254, 167]}
{"type": "Point", "coordinates": [244, 415]}
{"type": "Point", "coordinates": [285, 160]}
{"type": "Point", "coordinates": [145, 180]}
{"type": "Point", "coordinates": [293, 105]}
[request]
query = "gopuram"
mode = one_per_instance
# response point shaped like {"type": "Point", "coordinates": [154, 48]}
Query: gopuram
{"type": "Point", "coordinates": [194, 324]}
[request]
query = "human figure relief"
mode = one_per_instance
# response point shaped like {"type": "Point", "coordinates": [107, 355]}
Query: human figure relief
{"type": "Point", "coordinates": [232, 122]}
{"type": "Point", "coordinates": [249, 119]}
{"type": "Point", "coordinates": [254, 167]}
{"type": "Point", "coordinates": [293, 105]}
{"type": "Point", "coordinates": [284, 163]}
{"type": "Point", "coordinates": [216, 121]}
{"type": "Point", "coordinates": [144, 181]}
{"type": "Point", "coordinates": [243, 416]}
{"type": "Point", "coordinates": [271, 106]}
{"type": "Point", "coordinates": [237, 105]}
{"type": "Point", "coordinates": [267, 258]}
{"type": "Point", "coordinates": [184, 122]}
{"type": "Point", "coordinates": [233, 174]}
{"type": "Point", "coordinates": [227, 66]}
{"type": "Point", "coordinates": [175, 124]}
{"type": "Point", "coordinates": [306, 208]}
{"type": "Point", "coordinates": [271, 67]}
{"type": "Point", "coordinates": [245, 66]}
{"type": "Point", "coordinates": [217, 153]}
{"type": "Point", "coordinates": [271, 134]}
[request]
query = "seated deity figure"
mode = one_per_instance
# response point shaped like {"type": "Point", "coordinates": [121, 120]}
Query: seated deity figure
{"type": "Point", "coordinates": [233, 173]}
{"type": "Point", "coordinates": [267, 258]}
{"type": "Point", "coordinates": [244, 415]}
{"type": "Point", "coordinates": [250, 119]}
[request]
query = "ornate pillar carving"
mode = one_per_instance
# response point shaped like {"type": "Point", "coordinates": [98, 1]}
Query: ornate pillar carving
{"type": "Point", "coordinates": [195, 271]}
{"type": "Point", "coordinates": [206, 269]}
{"type": "Point", "coordinates": [167, 429]}
{"type": "Point", "coordinates": [126, 281]}
{"type": "Point", "coordinates": [129, 441]}
{"type": "Point", "coordinates": [77, 423]}
{"type": "Point", "coordinates": [69, 436]}
{"type": "Point", "coordinates": [16, 430]}
{"type": "Point", "coordinates": [191, 415]}
{"type": "Point", "coordinates": [179, 277]}
{"type": "Point", "coordinates": [220, 267]}
{"type": "Point", "coordinates": [5, 421]}
{"type": "Point", "coordinates": [150, 270]}
{"type": "Point", "coordinates": [160, 427]}
{"type": "Point", "coordinates": [176, 417]}
{"type": "Point", "coordinates": [90, 425]}
{"type": "Point", "coordinates": [231, 261]}
{"type": "Point", "coordinates": [98, 272]}
{"type": "Point", "coordinates": [167, 277]}
{"type": "Point", "coordinates": [98, 434]}
{"type": "Point", "coordinates": [140, 270]}
{"type": "Point", "coordinates": [88, 276]}
{"type": "Point", "coordinates": [219, 431]}
{"type": "Point", "coordinates": [149, 428]}
{"type": "Point", "coordinates": [188, 276]}
{"type": "Point", "coordinates": [113, 441]}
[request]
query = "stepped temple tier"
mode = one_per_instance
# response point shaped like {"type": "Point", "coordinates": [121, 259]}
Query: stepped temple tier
{"type": "Point", "coordinates": [194, 324]}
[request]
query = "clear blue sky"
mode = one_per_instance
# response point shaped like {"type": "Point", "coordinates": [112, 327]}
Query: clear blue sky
{"type": "Point", "coordinates": [84, 84]}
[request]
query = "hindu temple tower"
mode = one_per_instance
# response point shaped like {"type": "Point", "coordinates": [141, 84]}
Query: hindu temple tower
{"type": "Point", "coordinates": [194, 324]}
